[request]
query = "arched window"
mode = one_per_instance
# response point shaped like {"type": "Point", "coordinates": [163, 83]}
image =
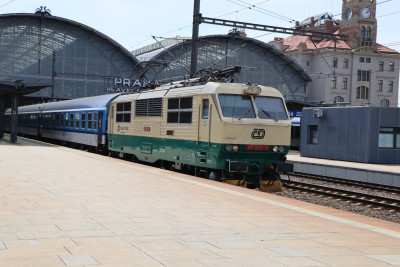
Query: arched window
{"type": "Point", "coordinates": [362, 92]}
{"type": "Point", "coordinates": [362, 32]}
{"type": "Point", "coordinates": [385, 103]}
{"type": "Point", "coordinates": [368, 34]}
{"type": "Point", "coordinates": [339, 99]}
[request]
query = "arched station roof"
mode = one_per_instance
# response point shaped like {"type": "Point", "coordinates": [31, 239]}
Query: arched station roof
{"type": "Point", "coordinates": [85, 61]}
{"type": "Point", "coordinates": [261, 63]}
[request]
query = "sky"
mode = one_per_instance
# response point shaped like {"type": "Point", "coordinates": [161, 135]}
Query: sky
{"type": "Point", "coordinates": [132, 23]}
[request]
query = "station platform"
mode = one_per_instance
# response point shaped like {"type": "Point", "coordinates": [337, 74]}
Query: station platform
{"type": "Point", "coordinates": [65, 207]}
{"type": "Point", "coordinates": [385, 174]}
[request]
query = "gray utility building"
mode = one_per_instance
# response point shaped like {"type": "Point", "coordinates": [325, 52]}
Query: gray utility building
{"type": "Point", "coordinates": [359, 134]}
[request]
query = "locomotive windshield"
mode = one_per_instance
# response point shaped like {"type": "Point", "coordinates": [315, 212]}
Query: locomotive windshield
{"type": "Point", "coordinates": [236, 106]}
{"type": "Point", "coordinates": [270, 108]}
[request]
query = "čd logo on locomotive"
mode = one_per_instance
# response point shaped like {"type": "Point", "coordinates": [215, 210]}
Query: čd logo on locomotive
{"type": "Point", "coordinates": [258, 134]}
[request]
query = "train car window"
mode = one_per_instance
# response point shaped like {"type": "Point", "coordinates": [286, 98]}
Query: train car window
{"type": "Point", "coordinates": [94, 120]}
{"type": "Point", "coordinates": [206, 105]}
{"type": "Point", "coordinates": [89, 121]}
{"type": "Point", "coordinates": [77, 117]}
{"type": "Point", "coordinates": [123, 113]}
{"type": "Point", "coordinates": [57, 120]}
{"type": "Point", "coordinates": [66, 124]}
{"type": "Point", "coordinates": [149, 107]}
{"type": "Point", "coordinates": [83, 121]}
{"type": "Point", "coordinates": [236, 106]}
{"type": "Point", "coordinates": [180, 110]}
{"type": "Point", "coordinates": [71, 120]}
{"type": "Point", "coordinates": [270, 108]}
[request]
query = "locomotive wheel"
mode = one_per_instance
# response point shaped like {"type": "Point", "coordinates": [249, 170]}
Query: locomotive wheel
{"type": "Point", "coordinates": [215, 176]}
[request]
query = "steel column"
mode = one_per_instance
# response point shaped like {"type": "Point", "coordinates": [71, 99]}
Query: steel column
{"type": "Point", "coordinates": [14, 119]}
{"type": "Point", "coordinates": [195, 38]}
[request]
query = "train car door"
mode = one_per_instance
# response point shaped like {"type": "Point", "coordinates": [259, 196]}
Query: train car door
{"type": "Point", "coordinates": [204, 123]}
{"type": "Point", "coordinates": [99, 118]}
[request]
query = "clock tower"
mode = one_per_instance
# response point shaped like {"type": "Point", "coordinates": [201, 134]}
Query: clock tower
{"type": "Point", "coordinates": [359, 23]}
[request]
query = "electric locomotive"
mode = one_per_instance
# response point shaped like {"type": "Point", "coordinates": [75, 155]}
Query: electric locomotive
{"type": "Point", "coordinates": [238, 133]}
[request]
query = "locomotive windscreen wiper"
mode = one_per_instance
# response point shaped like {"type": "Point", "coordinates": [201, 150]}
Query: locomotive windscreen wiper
{"type": "Point", "coordinates": [266, 113]}
{"type": "Point", "coordinates": [244, 115]}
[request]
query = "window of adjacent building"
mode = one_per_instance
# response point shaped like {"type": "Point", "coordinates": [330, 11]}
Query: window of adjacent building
{"type": "Point", "coordinates": [391, 66]}
{"type": "Point", "coordinates": [346, 63]}
{"type": "Point", "coordinates": [308, 63]}
{"type": "Point", "coordinates": [313, 134]}
{"type": "Point", "coordinates": [363, 75]}
{"type": "Point", "coordinates": [149, 107]}
{"type": "Point", "coordinates": [385, 103]}
{"type": "Point", "coordinates": [368, 60]}
{"type": "Point", "coordinates": [180, 110]}
{"type": "Point", "coordinates": [362, 92]}
{"type": "Point", "coordinates": [123, 113]}
{"type": "Point", "coordinates": [344, 84]}
{"type": "Point", "coordinates": [334, 63]}
{"type": "Point", "coordinates": [380, 85]}
{"type": "Point", "coordinates": [339, 99]}
{"type": "Point", "coordinates": [381, 64]}
{"type": "Point", "coordinates": [362, 31]}
{"type": "Point", "coordinates": [333, 83]}
{"type": "Point", "coordinates": [362, 59]}
{"type": "Point", "coordinates": [368, 34]}
{"type": "Point", "coordinates": [390, 86]}
{"type": "Point", "coordinates": [389, 137]}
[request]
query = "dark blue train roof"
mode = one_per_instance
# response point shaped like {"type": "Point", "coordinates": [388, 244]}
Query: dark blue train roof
{"type": "Point", "coordinates": [93, 102]}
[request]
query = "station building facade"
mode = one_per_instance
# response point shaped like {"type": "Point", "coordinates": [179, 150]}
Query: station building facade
{"type": "Point", "coordinates": [357, 72]}
{"type": "Point", "coordinates": [80, 61]}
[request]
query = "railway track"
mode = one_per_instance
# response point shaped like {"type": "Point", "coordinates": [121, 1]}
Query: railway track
{"type": "Point", "coordinates": [344, 193]}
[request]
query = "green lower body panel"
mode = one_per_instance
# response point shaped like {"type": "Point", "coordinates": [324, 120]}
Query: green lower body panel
{"type": "Point", "coordinates": [199, 154]}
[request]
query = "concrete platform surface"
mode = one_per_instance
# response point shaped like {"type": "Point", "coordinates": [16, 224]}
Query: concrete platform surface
{"type": "Point", "coordinates": [64, 207]}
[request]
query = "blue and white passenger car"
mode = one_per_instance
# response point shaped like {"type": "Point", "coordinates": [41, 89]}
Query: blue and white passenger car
{"type": "Point", "coordinates": [78, 121]}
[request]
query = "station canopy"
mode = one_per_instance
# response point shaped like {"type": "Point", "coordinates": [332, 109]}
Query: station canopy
{"type": "Point", "coordinates": [37, 48]}
{"type": "Point", "coordinates": [261, 63]}
{"type": "Point", "coordinates": [81, 62]}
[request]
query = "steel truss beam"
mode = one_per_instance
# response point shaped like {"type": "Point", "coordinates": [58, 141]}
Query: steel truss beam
{"type": "Point", "coordinates": [260, 27]}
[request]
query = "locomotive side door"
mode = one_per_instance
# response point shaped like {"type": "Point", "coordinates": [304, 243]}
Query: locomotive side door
{"type": "Point", "coordinates": [204, 122]}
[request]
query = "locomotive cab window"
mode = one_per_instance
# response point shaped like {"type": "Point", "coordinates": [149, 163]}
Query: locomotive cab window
{"type": "Point", "coordinates": [123, 113]}
{"type": "Point", "coordinates": [236, 106]}
{"type": "Point", "coordinates": [270, 108]}
{"type": "Point", "coordinates": [180, 110]}
{"type": "Point", "coordinates": [206, 106]}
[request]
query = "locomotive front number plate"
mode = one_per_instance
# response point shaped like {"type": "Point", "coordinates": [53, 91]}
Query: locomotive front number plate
{"type": "Point", "coordinates": [257, 147]}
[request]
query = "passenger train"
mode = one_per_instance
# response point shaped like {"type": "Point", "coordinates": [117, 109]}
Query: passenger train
{"type": "Point", "coordinates": [238, 133]}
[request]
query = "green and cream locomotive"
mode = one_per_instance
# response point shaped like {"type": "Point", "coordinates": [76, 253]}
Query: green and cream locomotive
{"type": "Point", "coordinates": [237, 133]}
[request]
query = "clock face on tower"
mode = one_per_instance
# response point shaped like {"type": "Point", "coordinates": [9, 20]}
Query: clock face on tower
{"type": "Point", "coordinates": [365, 13]}
{"type": "Point", "coordinates": [349, 13]}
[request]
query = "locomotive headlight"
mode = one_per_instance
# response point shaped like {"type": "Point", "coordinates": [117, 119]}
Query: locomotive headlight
{"type": "Point", "coordinates": [235, 147]}
{"type": "Point", "coordinates": [276, 148]}
{"type": "Point", "coordinates": [282, 149]}
{"type": "Point", "coordinates": [228, 147]}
